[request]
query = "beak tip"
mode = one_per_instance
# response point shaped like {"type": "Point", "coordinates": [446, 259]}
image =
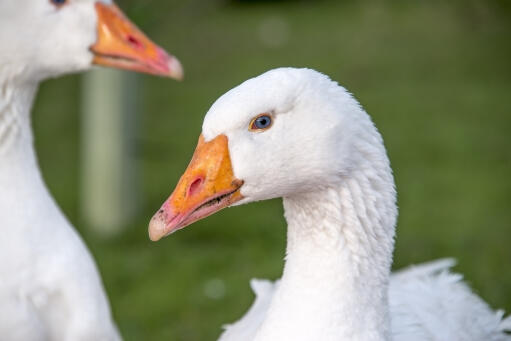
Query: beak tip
{"type": "Point", "coordinates": [175, 69]}
{"type": "Point", "coordinates": [156, 228]}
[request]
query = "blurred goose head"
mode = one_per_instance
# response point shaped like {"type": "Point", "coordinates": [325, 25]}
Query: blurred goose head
{"type": "Point", "coordinates": [47, 38]}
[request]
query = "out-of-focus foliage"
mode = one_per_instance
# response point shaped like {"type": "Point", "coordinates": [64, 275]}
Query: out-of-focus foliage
{"type": "Point", "coordinates": [434, 75]}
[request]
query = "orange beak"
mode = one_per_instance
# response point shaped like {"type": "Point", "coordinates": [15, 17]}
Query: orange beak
{"type": "Point", "coordinates": [122, 45]}
{"type": "Point", "coordinates": [207, 186]}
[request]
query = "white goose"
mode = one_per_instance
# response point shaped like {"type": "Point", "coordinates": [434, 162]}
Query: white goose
{"type": "Point", "coordinates": [294, 133]}
{"type": "Point", "coordinates": [50, 288]}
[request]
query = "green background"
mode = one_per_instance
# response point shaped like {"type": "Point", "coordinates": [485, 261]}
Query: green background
{"type": "Point", "coordinates": [434, 75]}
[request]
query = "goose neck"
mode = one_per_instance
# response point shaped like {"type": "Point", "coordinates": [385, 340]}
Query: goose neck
{"type": "Point", "coordinates": [339, 252]}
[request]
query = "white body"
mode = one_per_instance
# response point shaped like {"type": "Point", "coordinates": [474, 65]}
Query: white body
{"type": "Point", "coordinates": [426, 303]}
{"type": "Point", "coordinates": [325, 157]}
{"type": "Point", "coordinates": [50, 288]}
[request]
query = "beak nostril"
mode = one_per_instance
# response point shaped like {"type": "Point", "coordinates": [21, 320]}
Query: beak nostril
{"type": "Point", "coordinates": [134, 42]}
{"type": "Point", "coordinates": [194, 186]}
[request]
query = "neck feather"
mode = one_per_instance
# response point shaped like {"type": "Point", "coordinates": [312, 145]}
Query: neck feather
{"type": "Point", "coordinates": [339, 253]}
{"type": "Point", "coordinates": [16, 99]}
{"type": "Point", "coordinates": [20, 178]}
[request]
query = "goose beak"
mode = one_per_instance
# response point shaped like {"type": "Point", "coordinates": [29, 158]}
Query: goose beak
{"type": "Point", "coordinates": [207, 186]}
{"type": "Point", "coordinates": [122, 45]}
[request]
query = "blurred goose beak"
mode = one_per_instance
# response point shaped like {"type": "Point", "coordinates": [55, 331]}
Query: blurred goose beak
{"type": "Point", "coordinates": [122, 45]}
{"type": "Point", "coordinates": [207, 186]}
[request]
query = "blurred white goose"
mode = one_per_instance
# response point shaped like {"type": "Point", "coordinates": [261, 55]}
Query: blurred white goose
{"type": "Point", "coordinates": [294, 133]}
{"type": "Point", "coordinates": [50, 288]}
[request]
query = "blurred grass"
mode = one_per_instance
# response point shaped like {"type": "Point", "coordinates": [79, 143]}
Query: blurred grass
{"type": "Point", "coordinates": [436, 78]}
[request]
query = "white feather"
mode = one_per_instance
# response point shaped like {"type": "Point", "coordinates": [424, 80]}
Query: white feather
{"type": "Point", "coordinates": [423, 299]}
{"type": "Point", "coordinates": [247, 326]}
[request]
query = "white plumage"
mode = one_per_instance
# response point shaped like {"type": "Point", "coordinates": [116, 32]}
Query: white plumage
{"type": "Point", "coordinates": [427, 302]}
{"type": "Point", "coordinates": [50, 288]}
{"type": "Point", "coordinates": [325, 157]}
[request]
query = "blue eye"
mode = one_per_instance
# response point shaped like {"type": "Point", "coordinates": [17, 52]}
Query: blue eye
{"type": "Point", "coordinates": [261, 122]}
{"type": "Point", "coordinates": [58, 2]}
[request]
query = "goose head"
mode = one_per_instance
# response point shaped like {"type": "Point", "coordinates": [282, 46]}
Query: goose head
{"type": "Point", "coordinates": [47, 38]}
{"type": "Point", "coordinates": [284, 133]}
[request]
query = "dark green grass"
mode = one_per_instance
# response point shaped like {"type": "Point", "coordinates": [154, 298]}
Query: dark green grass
{"type": "Point", "coordinates": [436, 79]}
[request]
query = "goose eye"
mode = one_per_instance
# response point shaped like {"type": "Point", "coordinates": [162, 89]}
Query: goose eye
{"type": "Point", "coordinates": [261, 122]}
{"type": "Point", "coordinates": [58, 2]}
